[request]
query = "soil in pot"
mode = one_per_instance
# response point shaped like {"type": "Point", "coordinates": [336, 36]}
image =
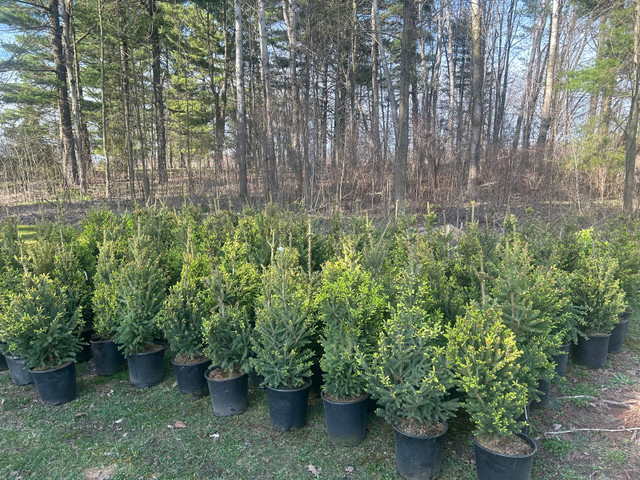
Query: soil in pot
{"type": "Point", "coordinates": [591, 351]}
{"type": "Point", "coordinates": [288, 408]}
{"type": "Point", "coordinates": [419, 450]}
{"type": "Point", "coordinates": [544, 388]}
{"type": "Point", "coordinates": [106, 357]}
{"type": "Point", "coordinates": [346, 420]}
{"type": "Point", "coordinates": [508, 458]}
{"type": "Point", "coordinates": [189, 373]}
{"type": "Point", "coordinates": [57, 385]}
{"type": "Point", "coordinates": [618, 334]}
{"type": "Point", "coordinates": [228, 394]}
{"type": "Point", "coordinates": [562, 360]}
{"type": "Point", "coordinates": [146, 368]}
{"type": "Point", "coordinates": [18, 370]}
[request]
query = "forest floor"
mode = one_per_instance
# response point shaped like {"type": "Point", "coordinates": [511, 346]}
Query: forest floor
{"type": "Point", "coordinates": [115, 431]}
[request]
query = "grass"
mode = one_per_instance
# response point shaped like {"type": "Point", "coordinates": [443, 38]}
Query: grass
{"type": "Point", "coordinates": [129, 432]}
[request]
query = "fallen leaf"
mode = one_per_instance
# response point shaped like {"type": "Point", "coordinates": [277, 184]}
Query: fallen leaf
{"type": "Point", "coordinates": [99, 473]}
{"type": "Point", "coordinates": [179, 424]}
{"type": "Point", "coordinates": [174, 384]}
{"type": "Point", "coordinates": [109, 393]}
{"type": "Point", "coordinates": [214, 435]}
{"type": "Point", "coordinates": [119, 420]}
{"type": "Point", "coordinates": [349, 469]}
{"type": "Point", "coordinates": [314, 471]}
{"type": "Point", "coordinates": [266, 460]}
{"type": "Point", "coordinates": [557, 426]}
{"type": "Point", "coordinates": [80, 414]}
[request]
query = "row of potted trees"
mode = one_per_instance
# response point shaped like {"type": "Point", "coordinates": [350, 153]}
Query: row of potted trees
{"type": "Point", "coordinates": [473, 321]}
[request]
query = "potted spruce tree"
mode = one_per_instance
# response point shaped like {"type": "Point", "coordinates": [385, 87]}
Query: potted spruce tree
{"type": "Point", "coordinates": [141, 291]}
{"type": "Point", "coordinates": [486, 362]}
{"type": "Point", "coordinates": [283, 332]}
{"type": "Point", "coordinates": [596, 291]}
{"type": "Point", "coordinates": [351, 306]}
{"type": "Point", "coordinates": [625, 248]}
{"type": "Point", "coordinates": [228, 343]}
{"type": "Point", "coordinates": [534, 308]}
{"type": "Point", "coordinates": [410, 379]}
{"type": "Point", "coordinates": [108, 359]}
{"type": "Point", "coordinates": [40, 328]}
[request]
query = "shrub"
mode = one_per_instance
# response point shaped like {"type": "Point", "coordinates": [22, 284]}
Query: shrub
{"type": "Point", "coordinates": [141, 291]}
{"type": "Point", "coordinates": [39, 326]}
{"type": "Point", "coordinates": [351, 305]}
{"type": "Point", "coordinates": [284, 326]}
{"type": "Point", "coordinates": [409, 374]}
{"type": "Point", "coordinates": [227, 333]}
{"type": "Point", "coordinates": [484, 357]}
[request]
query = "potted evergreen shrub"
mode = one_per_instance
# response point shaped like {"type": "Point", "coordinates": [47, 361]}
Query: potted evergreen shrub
{"type": "Point", "coordinates": [486, 362]}
{"type": "Point", "coordinates": [228, 343]}
{"type": "Point", "coordinates": [624, 246]}
{"type": "Point", "coordinates": [283, 332]}
{"type": "Point", "coordinates": [597, 292]}
{"type": "Point", "coordinates": [181, 319]}
{"type": "Point", "coordinates": [141, 291]}
{"type": "Point", "coordinates": [39, 327]}
{"type": "Point", "coordinates": [351, 306]}
{"type": "Point", "coordinates": [533, 307]}
{"type": "Point", "coordinates": [410, 379]}
{"type": "Point", "coordinates": [108, 359]}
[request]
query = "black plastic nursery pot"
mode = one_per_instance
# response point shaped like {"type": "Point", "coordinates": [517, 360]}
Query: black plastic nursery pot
{"type": "Point", "coordinates": [418, 457]}
{"type": "Point", "coordinates": [106, 357]}
{"type": "Point", "coordinates": [618, 334]}
{"type": "Point", "coordinates": [84, 355]}
{"type": "Point", "coordinates": [288, 408]}
{"type": "Point", "coordinates": [20, 374]}
{"type": "Point", "coordinates": [228, 395]}
{"type": "Point", "coordinates": [190, 377]}
{"type": "Point", "coordinates": [56, 386]}
{"type": "Point", "coordinates": [544, 388]}
{"type": "Point", "coordinates": [3, 362]}
{"type": "Point", "coordinates": [346, 421]}
{"type": "Point", "coordinates": [562, 360]}
{"type": "Point", "coordinates": [146, 369]}
{"type": "Point", "coordinates": [591, 351]}
{"type": "Point", "coordinates": [492, 465]}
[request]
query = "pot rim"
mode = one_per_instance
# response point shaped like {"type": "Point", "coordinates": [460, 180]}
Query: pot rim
{"type": "Point", "coordinates": [64, 365]}
{"type": "Point", "coordinates": [526, 438]}
{"type": "Point", "coordinates": [161, 349]}
{"type": "Point", "coordinates": [397, 429]}
{"type": "Point", "coordinates": [361, 398]}
{"type": "Point", "coordinates": [173, 362]}
{"type": "Point", "coordinates": [217, 367]}
{"type": "Point", "coordinates": [286, 390]}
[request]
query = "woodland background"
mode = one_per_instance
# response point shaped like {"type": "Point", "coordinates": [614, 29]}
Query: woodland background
{"type": "Point", "coordinates": [328, 103]}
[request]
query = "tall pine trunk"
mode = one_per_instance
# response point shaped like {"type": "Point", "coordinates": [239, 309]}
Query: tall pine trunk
{"type": "Point", "coordinates": [632, 123]}
{"type": "Point", "coordinates": [477, 77]}
{"type": "Point", "coordinates": [241, 133]}
{"type": "Point", "coordinates": [158, 93]}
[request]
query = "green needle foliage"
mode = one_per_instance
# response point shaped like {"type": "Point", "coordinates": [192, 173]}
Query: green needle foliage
{"type": "Point", "coordinates": [409, 374]}
{"type": "Point", "coordinates": [351, 305]}
{"type": "Point", "coordinates": [228, 339]}
{"type": "Point", "coordinates": [486, 361]}
{"type": "Point", "coordinates": [39, 326]}
{"type": "Point", "coordinates": [105, 293]}
{"type": "Point", "coordinates": [284, 324]}
{"type": "Point", "coordinates": [141, 291]}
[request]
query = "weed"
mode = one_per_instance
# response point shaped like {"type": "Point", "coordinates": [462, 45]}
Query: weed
{"type": "Point", "coordinates": [558, 446]}
{"type": "Point", "coordinates": [622, 379]}
{"type": "Point", "coordinates": [616, 457]}
{"type": "Point", "coordinates": [577, 393]}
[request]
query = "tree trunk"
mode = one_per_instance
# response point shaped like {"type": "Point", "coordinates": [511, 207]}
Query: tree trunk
{"type": "Point", "coordinates": [375, 97]}
{"type": "Point", "coordinates": [385, 67]}
{"type": "Point", "coordinates": [103, 104]}
{"type": "Point", "coordinates": [402, 142]}
{"type": "Point", "coordinates": [451, 72]}
{"type": "Point", "coordinates": [632, 123]}
{"type": "Point", "coordinates": [125, 75]}
{"type": "Point", "coordinates": [477, 73]}
{"type": "Point", "coordinates": [545, 114]}
{"type": "Point", "coordinates": [72, 87]}
{"type": "Point", "coordinates": [69, 164]}
{"type": "Point", "coordinates": [158, 93]}
{"type": "Point", "coordinates": [241, 135]}
{"type": "Point", "coordinates": [265, 76]}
